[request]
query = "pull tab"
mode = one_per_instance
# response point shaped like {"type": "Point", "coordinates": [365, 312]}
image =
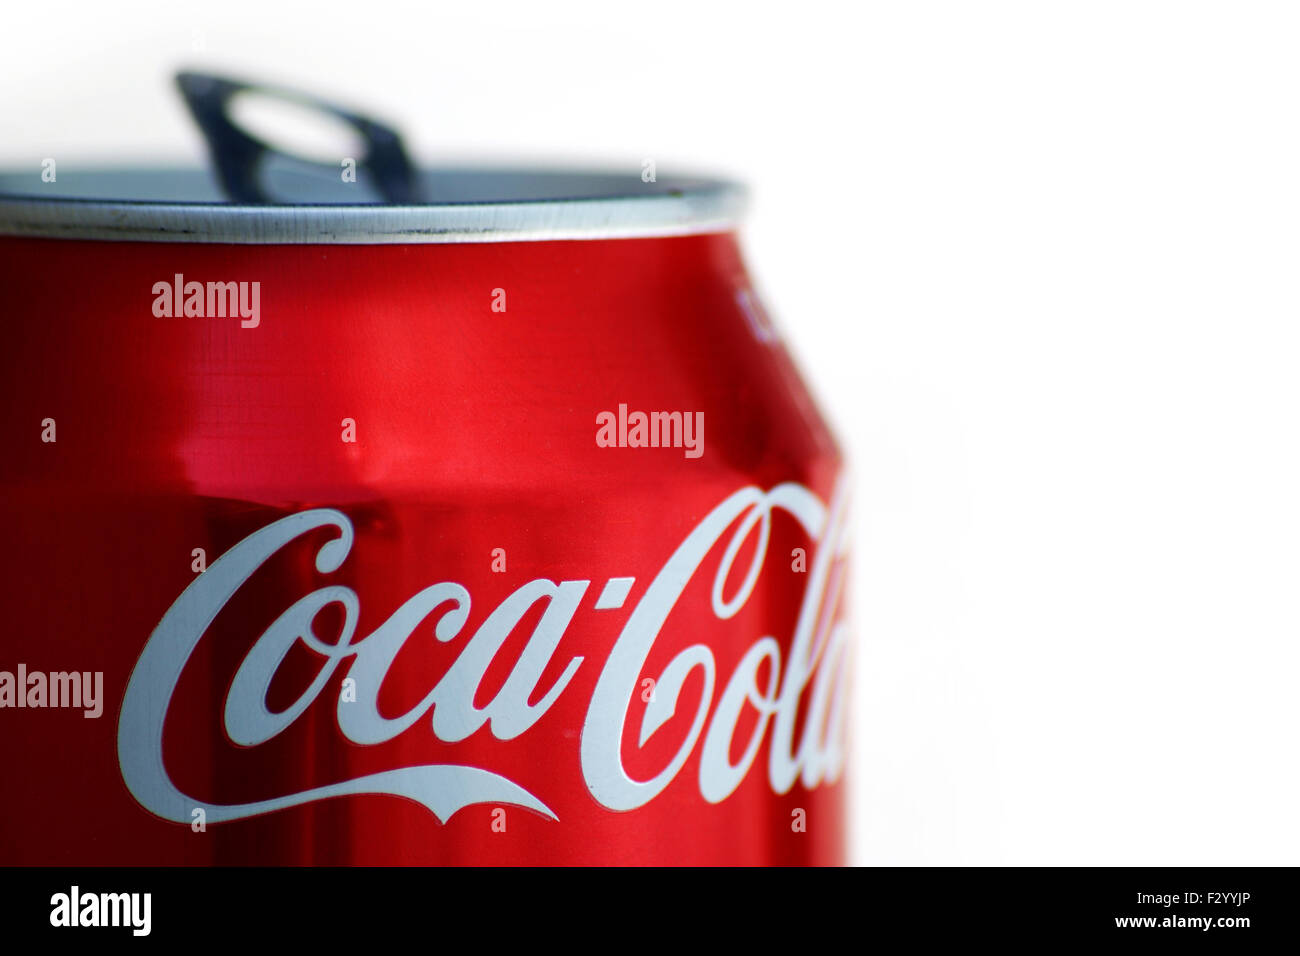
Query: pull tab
{"type": "Point", "coordinates": [238, 155]}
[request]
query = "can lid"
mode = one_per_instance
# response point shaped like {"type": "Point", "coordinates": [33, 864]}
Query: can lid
{"type": "Point", "coordinates": [256, 193]}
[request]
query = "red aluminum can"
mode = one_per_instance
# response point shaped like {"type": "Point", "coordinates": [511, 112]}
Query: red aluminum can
{"type": "Point", "coordinates": [484, 523]}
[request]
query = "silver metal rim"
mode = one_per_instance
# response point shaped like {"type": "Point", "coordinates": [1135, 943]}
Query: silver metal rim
{"type": "Point", "coordinates": [716, 207]}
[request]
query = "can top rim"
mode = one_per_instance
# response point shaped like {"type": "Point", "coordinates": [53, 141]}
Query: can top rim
{"type": "Point", "coordinates": [508, 204]}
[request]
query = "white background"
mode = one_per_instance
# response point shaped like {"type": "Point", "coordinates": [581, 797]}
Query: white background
{"type": "Point", "coordinates": [1039, 260]}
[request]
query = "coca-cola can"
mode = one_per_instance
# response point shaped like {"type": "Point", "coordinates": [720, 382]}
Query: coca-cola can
{"type": "Point", "coordinates": [367, 514]}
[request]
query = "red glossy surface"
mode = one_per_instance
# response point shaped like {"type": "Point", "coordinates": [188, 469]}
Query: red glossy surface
{"type": "Point", "coordinates": [475, 431]}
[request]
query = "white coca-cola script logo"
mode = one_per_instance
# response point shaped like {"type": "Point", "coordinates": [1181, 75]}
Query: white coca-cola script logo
{"type": "Point", "coordinates": [815, 666]}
